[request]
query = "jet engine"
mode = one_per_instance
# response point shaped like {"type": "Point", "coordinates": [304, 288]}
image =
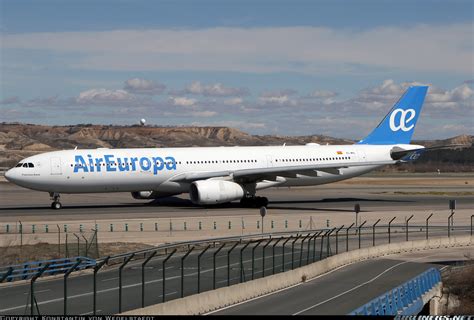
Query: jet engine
{"type": "Point", "coordinates": [215, 191]}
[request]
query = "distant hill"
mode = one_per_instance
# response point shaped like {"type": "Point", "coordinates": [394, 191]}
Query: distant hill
{"type": "Point", "coordinates": [18, 141]}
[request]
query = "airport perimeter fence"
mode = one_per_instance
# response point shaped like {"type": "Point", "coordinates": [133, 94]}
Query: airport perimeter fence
{"type": "Point", "coordinates": [172, 271]}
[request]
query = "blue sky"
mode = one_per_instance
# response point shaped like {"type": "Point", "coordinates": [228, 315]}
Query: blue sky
{"type": "Point", "coordinates": [333, 67]}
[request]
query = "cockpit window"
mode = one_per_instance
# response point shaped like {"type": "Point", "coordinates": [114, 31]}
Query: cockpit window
{"type": "Point", "coordinates": [19, 165]}
{"type": "Point", "coordinates": [25, 165]}
{"type": "Point", "coordinates": [30, 165]}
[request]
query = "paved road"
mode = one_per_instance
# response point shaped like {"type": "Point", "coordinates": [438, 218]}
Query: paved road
{"type": "Point", "coordinates": [339, 292]}
{"type": "Point", "coordinates": [49, 293]}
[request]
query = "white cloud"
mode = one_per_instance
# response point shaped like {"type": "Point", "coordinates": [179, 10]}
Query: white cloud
{"type": "Point", "coordinates": [233, 101]}
{"type": "Point", "coordinates": [100, 96]}
{"type": "Point", "coordinates": [214, 90]}
{"type": "Point", "coordinates": [204, 114]}
{"type": "Point", "coordinates": [322, 94]}
{"type": "Point", "coordinates": [281, 97]}
{"type": "Point", "coordinates": [182, 101]}
{"type": "Point", "coordinates": [142, 86]}
{"type": "Point", "coordinates": [265, 49]}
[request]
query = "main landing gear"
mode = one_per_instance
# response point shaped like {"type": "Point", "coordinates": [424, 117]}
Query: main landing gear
{"type": "Point", "coordinates": [56, 204]}
{"type": "Point", "coordinates": [254, 202]}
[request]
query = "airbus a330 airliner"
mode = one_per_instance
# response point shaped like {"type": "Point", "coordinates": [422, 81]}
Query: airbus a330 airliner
{"type": "Point", "coordinates": [222, 174]}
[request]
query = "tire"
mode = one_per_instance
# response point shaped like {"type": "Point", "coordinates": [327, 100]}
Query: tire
{"type": "Point", "coordinates": [56, 205]}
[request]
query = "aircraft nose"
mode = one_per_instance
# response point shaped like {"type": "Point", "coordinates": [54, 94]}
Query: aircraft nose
{"type": "Point", "coordinates": [8, 175]}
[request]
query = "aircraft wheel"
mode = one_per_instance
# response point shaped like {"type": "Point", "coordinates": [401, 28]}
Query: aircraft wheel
{"type": "Point", "coordinates": [56, 205]}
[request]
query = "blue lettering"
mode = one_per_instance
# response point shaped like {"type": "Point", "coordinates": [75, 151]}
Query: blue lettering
{"type": "Point", "coordinates": [123, 166]}
{"type": "Point", "coordinates": [97, 162]}
{"type": "Point", "coordinates": [158, 164]}
{"type": "Point", "coordinates": [109, 159]}
{"type": "Point", "coordinates": [91, 163]}
{"type": "Point", "coordinates": [80, 164]}
{"type": "Point", "coordinates": [171, 164]}
{"type": "Point", "coordinates": [145, 164]}
{"type": "Point", "coordinates": [134, 160]}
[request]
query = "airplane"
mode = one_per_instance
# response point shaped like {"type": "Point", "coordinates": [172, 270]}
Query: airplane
{"type": "Point", "coordinates": [215, 175]}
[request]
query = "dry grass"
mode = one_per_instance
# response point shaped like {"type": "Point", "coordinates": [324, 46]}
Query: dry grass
{"type": "Point", "coordinates": [460, 281]}
{"type": "Point", "coordinates": [44, 251]}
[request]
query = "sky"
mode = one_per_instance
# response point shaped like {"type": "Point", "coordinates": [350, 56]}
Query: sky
{"type": "Point", "coordinates": [295, 67]}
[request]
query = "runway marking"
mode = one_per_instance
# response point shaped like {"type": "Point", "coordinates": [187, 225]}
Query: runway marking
{"type": "Point", "coordinates": [299, 284]}
{"type": "Point", "coordinates": [125, 287]}
{"type": "Point", "coordinates": [360, 285]}
{"type": "Point", "coordinates": [38, 291]}
{"type": "Point", "coordinates": [115, 278]}
{"type": "Point", "coordinates": [90, 312]}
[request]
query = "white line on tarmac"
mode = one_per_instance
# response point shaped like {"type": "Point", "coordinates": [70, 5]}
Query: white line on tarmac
{"type": "Point", "coordinates": [360, 285]}
{"type": "Point", "coordinates": [38, 291]}
{"type": "Point", "coordinates": [123, 287]}
{"type": "Point", "coordinates": [114, 278]}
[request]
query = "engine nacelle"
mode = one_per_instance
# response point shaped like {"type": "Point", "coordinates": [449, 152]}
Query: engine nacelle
{"type": "Point", "coordinates": [215, 191]}
{"type": "Point", "coordinates": [146, 195]}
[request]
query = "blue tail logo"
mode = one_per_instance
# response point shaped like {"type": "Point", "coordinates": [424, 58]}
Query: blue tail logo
{"type": "Point", "coordinates": [399, 124]}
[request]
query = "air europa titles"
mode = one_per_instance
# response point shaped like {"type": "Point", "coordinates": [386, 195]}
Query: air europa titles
{"type": "Point", "coordinates": [111, 163]}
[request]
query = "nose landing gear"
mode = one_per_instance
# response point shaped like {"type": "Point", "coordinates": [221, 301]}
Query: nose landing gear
{"type": "Point", "coordinates": [56, 204]}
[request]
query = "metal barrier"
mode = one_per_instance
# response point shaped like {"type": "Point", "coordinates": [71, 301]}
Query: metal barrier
{"type": "Point", "coordinates": [405, 299]}
{"type": "Point", "coordinates": [224, 265]}
{"type": "Point", "coordinates": [31, 269]}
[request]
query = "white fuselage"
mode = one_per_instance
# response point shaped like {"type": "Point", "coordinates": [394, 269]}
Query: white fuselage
{"type": "Point", "coordinates": [154, 169]}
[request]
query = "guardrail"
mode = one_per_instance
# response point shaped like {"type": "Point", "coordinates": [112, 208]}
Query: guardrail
{"type": "Point", "coordinates": [48, 267]}
{"type": "Point", "coordinates": [405, 299]}
{"type": "Point", "coordinates": [237, 259]}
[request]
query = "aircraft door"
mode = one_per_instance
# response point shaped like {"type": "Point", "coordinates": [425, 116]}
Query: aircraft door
{"type": "Point", "coordinates": [269, 161]}
{"type": "Point", "coordinates": [56, 166]}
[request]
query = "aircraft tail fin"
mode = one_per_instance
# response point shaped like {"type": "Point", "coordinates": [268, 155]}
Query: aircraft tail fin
{"type": "Point", "coordinates": [399, 124]}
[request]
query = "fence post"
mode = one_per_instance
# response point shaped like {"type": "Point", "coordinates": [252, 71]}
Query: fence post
{"type": "Point", "coordinates": [322, 244]}
{"type": "Point", "coordinates": [389, 229]}
{"type": "Point", "coordinates": [347, 236]}
{"type": "Point", "coordinates": [427, 219]}
{"type": "Point", "coordinates": [472, 216]}
{"type": "Point", "coordinates": [301, 249]}
{"type": "Point", "coordinates": [450, 223]}
{"type": "Point", "coordinates": [263, 256]}
{"type": "Point", "coordinates": [373, 232]}
{"type": "Point", "coordinates": [32, 289]}
{"type": "Point", "coordinates": [228, 262]}
{"type": "Point", "coordinates": [163, 269]}
{"type": "Point", "coordinates": [329, 242]}
{"type": "Point", "coordinates": [78, 243]}
{"type": "Point", "coordinates": [182, 270]}
{"type": "Point", "coordinates": [293, 251]}
{"type": "Point", "coordinates": [241, 262]}
{"type": "Point", "coordinates": [314, 244]}
{"type": "Point", "coordinates": [337, 238]}
{"type": "Point", "coordinates": [143, 276]}
{"type": "Point", "coordinates": [214, 265]}
{"type": "Point", "coordinates": [66, 275]}
{"type": "Point", "coordinates": [59, 239]}
{"type": "Point", "coordinates": [199, 267]}
{"type": "Point", "coordinates": [96, 269]}
{"type": "Point", "coordinates": [127, 260]}
{"type": "Point", "coordinates": [253, 255]}
{"type": "Point", "coordinates": [87, 248]}
{"type": "Point", "coordinates": [408, 220]}
{"type": "Point", "coordinates": [359, 230]}
{"type": "Point", "coordinates": [273, 253]}
{"type": "Point", "coordinates": [283, 255]}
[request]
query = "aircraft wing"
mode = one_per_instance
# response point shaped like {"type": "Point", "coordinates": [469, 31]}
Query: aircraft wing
{"type": "Point", "coordinates": [254, 175]}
